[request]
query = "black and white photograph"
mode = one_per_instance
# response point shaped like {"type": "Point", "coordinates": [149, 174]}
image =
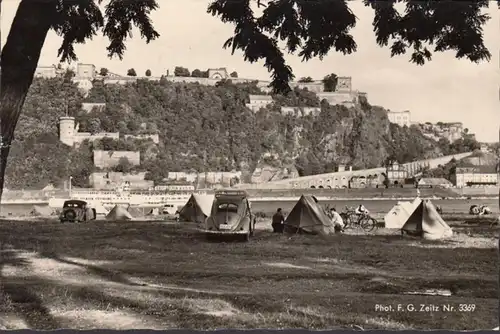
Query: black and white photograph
{"type": "Point", "coordinates": [249, 164]}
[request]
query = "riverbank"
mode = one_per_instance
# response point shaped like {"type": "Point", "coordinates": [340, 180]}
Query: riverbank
{"type": "Point", "coordinates": [331, 198]}
{"type": "Point", "coordinates": [257, 198]}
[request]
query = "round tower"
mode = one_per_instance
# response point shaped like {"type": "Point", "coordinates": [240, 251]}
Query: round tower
{"type": "Point", "coordinates": [67, 130]}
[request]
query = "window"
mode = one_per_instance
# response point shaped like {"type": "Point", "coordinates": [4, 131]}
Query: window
{"type": "Point", "coordinates": [227, 207]}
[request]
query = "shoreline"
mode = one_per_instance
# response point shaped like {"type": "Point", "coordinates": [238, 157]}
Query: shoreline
{"type": "Point", "coordinates": [296, 198]}
{"type": "Point", "coordinates": [332, 198]}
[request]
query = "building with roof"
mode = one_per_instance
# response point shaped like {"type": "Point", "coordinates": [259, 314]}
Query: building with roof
{"type": "Point", "coordinates": [400, 118]}
{"type": "Point", "coordinates": [451, 131]}
{"type": "Point", "coordinates": [396, 173]}
{"type": "Point", "coordinates": [259, 101]}
{"type": "Point", "coordinates": [48, 72]}
{"type": "Point", "coordinates": [477, 175]}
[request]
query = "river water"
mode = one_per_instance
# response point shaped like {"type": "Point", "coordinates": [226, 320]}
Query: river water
{"type": "Point", "coordinates": [374, 206]}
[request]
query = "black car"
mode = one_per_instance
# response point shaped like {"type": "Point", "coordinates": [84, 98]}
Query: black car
{"type": "Point", "coordinates": [77, 211]}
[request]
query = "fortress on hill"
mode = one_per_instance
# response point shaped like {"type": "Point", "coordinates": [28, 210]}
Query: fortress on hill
{"type": "Point", "coordinates": [344, 94]}
{"type": "Point", "coordinates": [86, 74]}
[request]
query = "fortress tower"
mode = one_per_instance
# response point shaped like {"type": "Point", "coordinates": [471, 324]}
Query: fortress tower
{"type": "Point", "coordinates": [85, 71]}
{"type": "Point", "coordinates": [344, 84]}
{"type": "Point", "coordinates": [67, 130]}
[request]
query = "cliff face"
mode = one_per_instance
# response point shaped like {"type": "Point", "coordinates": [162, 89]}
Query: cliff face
{"type": "Point", "coordinates": [361, 137]}
{"type": "Point", "coordinates": [206, 128]}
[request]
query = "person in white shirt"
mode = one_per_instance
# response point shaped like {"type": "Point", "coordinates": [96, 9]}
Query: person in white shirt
{"type": "Point", "coordinates": [361, 210]}
{"type": "Point", "coordinates": [337, 221]}
{"type": "Point", "coordinates": [484, 210]}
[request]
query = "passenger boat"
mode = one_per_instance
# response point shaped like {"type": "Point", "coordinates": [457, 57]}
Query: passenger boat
{"type": "Point", "coordinates": [137, 198]}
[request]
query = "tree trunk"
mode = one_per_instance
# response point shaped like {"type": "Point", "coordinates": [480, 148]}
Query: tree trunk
{"type": "Point", "coordinates": [19, 60]}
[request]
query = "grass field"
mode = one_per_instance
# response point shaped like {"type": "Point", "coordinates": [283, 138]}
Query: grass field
{"type": "Point", "coordinates": [159, 276]}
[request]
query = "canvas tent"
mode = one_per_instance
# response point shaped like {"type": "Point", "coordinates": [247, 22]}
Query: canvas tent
{"type": "Point", "coordinates": [119, 213]}
{"type": "Point", "coordinates": [426, 222]}
{"type": "Point", "coordinates": [197, 208]}
{"type": "Point", "coordinates": [309, 217]}
{"type": "Point", "coordinates": [136, 211]}
{"type": "Point", "coordinates": [400, 213]}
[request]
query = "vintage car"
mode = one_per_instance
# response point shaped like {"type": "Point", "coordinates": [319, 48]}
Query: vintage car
{"type": "Point", "coordinates": [230, 215]}
{"type": "Point", "coordinates": [77, 211]}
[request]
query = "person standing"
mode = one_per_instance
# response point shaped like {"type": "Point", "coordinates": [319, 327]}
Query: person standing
{"type": "Point", "coordinates": [278, 222]}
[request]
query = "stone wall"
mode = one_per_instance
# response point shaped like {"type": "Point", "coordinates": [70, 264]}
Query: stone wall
{"type": "Point", "coordinates": [300, 111]}
{"type": "Point", "coordinates": [81, 136]}
{"type": "Point", "coordinates": [208, 177]}
{"type": "Point", "coordinates": [107, 159]}
{"type": "Point", "coordinates": [89, 106]}
{"type": "Point", "coordinates": [337, 98]}
{"type": "Point", "coordinates": [154, 137]}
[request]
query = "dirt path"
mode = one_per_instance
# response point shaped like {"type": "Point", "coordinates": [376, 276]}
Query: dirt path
{"type": "Point", "coordinates": [69, 274]}
{"type": "Point", "coordinates": [72, 274]}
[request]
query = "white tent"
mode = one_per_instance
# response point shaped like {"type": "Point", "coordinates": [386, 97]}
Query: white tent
{"type": "Point", "coordinates": [197, 208]}
{"type": "Point", "coordinates": [44, 211]}
{"type": "Point", "coordinates": [119, 213]}
{"type": "Point", "coordinates": [426, 222]}
{"type": "Point", "coordinates": [400, 213]}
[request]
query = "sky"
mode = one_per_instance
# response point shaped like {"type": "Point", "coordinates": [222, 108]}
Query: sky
{"type": "Point", "coordinates": [445, 89]}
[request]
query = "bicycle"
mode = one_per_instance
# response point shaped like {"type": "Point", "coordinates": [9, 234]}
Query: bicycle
{"type": "Point", "coordinates": [353, 219]}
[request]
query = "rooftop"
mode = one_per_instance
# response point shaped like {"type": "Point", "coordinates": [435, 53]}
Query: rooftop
{"type": "Point", "coordinates": [260, 97]}
{"type": "Point", "coordinates": [478, 170]}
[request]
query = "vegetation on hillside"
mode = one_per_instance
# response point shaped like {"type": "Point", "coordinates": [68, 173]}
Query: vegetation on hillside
{"type": "Point", "coordinates": [202, 128]}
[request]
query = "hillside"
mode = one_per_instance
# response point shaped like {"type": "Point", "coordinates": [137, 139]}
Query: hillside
{"type": "Point", "coordinates": [202, 128]}
{"type": "Point", "coordinates": [481, 159]}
